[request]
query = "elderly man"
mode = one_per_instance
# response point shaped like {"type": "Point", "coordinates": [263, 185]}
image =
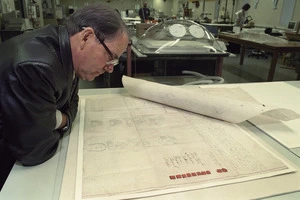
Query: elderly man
{"type": "Point", "coordinates": [39, 74]}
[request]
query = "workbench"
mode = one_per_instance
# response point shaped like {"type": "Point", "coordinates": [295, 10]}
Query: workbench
{"type": "Point", "coordinates": [56, 178]}
{"type": "Point", "coordinates": [274, 48]}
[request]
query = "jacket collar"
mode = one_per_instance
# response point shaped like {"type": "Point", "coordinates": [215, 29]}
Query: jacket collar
{"type": "Point", "coordinates": [65, 51]}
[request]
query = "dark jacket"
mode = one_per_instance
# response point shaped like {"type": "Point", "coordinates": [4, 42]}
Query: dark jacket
{"type": "Point", "coordinates": [36, 78]}
{"type": "Point", "coordinates": [144, 14]}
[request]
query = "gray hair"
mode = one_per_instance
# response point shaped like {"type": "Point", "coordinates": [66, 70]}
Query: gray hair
{"type": "Point", "coordinates": [105, 21]}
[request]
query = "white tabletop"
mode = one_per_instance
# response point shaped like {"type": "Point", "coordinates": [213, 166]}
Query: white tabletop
{"type": "Point", "coordinates": [45, 181]}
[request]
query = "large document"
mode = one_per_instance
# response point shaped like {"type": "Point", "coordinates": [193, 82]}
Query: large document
{"type": "Point", "coordinates": [219, 107]}
{"type": "Point", "coordinates": [276, 123]}
{"type": "Point", "coordinates": [131, 147]}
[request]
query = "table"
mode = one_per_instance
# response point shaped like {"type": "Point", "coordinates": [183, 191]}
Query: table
{"type": "Point", "coordinates": [46, 180]}
{"type": "Point", "coordinates": [274, 48]}
{"type": "Point", "coordinates": [137, 55]}
{"type": "Point", "coordinates": [7, 34]}
{"type": "Point", "coordinates": [292, 36]}
{"type": "Point", "coordinates": [215, 28]}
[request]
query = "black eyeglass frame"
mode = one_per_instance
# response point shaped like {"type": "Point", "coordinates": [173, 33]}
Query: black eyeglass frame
{"type": "Point", "coordinates": [114, 59]}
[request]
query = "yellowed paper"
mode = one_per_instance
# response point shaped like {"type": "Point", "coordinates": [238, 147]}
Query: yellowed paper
{"type": "Point", "coordinates": [227, 109]}
{"type": "Point", "coordinates": [136, 148]}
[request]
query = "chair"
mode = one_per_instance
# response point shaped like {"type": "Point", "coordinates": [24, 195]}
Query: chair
{"type": "Point", "coordinates": [262, 54]}
{"type": "Point", "coordinates": [258, 54]}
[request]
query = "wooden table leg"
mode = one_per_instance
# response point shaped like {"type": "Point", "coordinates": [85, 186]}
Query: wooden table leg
{"type": "Point", "coordinates": [243, 48]}
{"type": "Point", "coordinates": [273, 66]}
{"type": "Point", "coordinates": [219, 66]}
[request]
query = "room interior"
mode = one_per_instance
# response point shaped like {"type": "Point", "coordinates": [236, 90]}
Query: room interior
{"type": "Point", "coordinates": [112, 120]}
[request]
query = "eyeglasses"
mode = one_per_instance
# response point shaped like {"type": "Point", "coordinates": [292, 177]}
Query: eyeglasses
{"type": "Point", "coordinates": [114, 59]}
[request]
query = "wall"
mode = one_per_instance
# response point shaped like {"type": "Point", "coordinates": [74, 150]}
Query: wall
{"type": "Point", "coordinates": [39, 19]}
{"type": "Point", "coordinates": [263, 15]}
{"type": "Point", "coordinates": [165, 6]}
{"type": "Point", "coordinates": [7, 6]}
{"type": "Point", "coordinates": [121, 5]}
{"type": "Point", "coordinates": [209, 7]}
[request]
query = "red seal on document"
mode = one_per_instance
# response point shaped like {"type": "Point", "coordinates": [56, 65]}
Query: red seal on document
{"type": "Point", "coordinates": [224, 170]}
{"type": "Point", "coordinates": [178, 176]}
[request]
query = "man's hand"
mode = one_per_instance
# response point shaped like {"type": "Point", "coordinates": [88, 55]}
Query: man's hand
{"type": "Point", "coordinates": [64, 121]}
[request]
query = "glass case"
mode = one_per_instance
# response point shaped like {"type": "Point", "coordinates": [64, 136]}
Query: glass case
{"type": "Point", "coordinates": [178, 37]}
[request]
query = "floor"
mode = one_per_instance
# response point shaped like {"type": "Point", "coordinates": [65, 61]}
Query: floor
{"type": "Point", "coordinates": [253, 70]}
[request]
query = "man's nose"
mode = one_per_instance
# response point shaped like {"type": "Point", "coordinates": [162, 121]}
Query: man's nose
{"type": "Point", "coordinates": [109, 68]}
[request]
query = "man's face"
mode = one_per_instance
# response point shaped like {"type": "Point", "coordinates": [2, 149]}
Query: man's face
{"type": "Point", "coordinates": [96, 57]}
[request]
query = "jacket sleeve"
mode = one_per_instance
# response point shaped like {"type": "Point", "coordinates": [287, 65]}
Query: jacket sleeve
{"type": "Point", "coordinates": [28, 108]}
{"type": "Point", "coordinates": [72, 108]}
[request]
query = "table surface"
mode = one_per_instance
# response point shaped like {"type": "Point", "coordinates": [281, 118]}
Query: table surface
{"type": "Point", "coordinates": [219, 25]}
{"type": "Point", "coordinates": [289, 46]}
{"type": "Point", "coordinates": [263, 42]}
{"type": "Point", "coordinates": [137, 55]}
{"type": "Point", "coordinates": [44, 181]}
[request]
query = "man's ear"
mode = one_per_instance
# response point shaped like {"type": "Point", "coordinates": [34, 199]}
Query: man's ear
{"type": "Point", "coordinates": [86, 35]}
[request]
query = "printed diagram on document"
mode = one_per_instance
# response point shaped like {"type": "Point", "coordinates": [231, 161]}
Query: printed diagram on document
{"type": "Point", "coordinates": [134, 148]}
